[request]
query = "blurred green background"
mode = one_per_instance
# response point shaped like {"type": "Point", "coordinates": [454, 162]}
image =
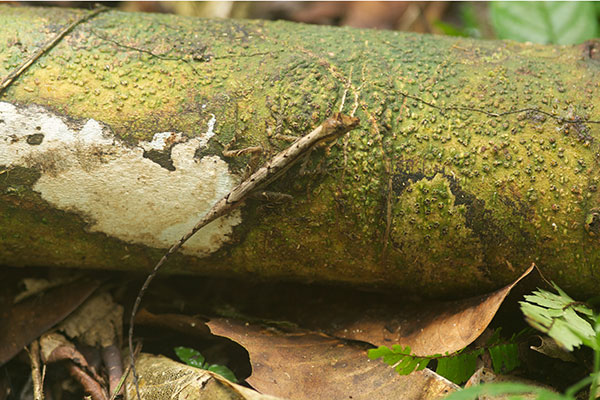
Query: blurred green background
{"type": "Point", "coordinates": [559, 22]}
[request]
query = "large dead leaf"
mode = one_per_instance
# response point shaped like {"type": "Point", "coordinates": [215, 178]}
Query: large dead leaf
{"type": "Point", "coordinates": [428, 328]}
{"type": "Point", "coordinates": [22, 322]}
{"type": "Point", "coordinates": [376, 318]}
{"type": "Point", "coordinates": [314, 366]}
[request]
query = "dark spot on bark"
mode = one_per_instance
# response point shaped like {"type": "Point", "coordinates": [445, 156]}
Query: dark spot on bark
{"type": "Point", "coordinates": [477, 217]}
{"type": "Point", "coordinates": [35, 139]}
{"type": "Point", "coordinates": [577, 127]}
{"type": "Point", "coordinates": [161, 157]}
{"type": "Point", "coordinates": [402, 179]}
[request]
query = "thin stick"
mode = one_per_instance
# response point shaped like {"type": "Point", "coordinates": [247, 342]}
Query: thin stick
{"type": "Point", "coordinates": [46, 47]}
{"type": "Point", "coordinates": [37, 373]}
{"type": "Point", "coordinates": [331, 129]}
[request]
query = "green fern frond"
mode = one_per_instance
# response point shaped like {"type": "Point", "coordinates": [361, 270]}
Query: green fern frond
{"type": "Point", "coordinates": [559, 316]}
{"type": "Point", "coordinates": [459, 367]}
{"type": "Point", "coordinates": [505, 357]}
{"type": "Point", "coordinates": [400, 358]}
{"type": "Point", "coordinates": [506, 389]}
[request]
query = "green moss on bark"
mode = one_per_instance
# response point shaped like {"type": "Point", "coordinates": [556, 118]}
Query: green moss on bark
{"type": "Point", "coordinates": [443, 188]}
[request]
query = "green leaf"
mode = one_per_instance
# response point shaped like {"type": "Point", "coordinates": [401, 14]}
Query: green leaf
{"type": "Point", "coordinates": [468, 15]}
{"type": "Point", "coordinates": [194, 358]}
{"type": "Point", "coordinates": [459, 367]}
{"type": "Point", "coordinates": [223, 371]}
{"type": "Point", "coordinates": [407, 365]}
{"type": "Point", "coordinates": [449, 30]}
{"type": "Point", "coordinates": [400, 358]}
{"type": "Point", "coordinates": [190, 356]}
{"type": "Point", "coordinates": [502, 389]}
{"type": "Point", "coordinates": [505, 357]}
{"type": "Point", "coordinates": [558, 22]}
{"type": "Point", "coordinates": [560, 317]}
{"type": "Point", "coordinates": [378, 352]}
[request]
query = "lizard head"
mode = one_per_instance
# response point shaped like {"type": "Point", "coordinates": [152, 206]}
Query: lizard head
{"type": "Point", "coordinates": [339, 124]}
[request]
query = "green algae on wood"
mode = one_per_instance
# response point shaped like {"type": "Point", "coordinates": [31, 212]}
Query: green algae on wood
{"type": "Point", "coordinates": [445, 187]}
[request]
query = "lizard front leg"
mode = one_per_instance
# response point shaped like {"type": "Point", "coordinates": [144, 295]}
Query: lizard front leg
{"type": "Point", "coordinates": [255, 153]}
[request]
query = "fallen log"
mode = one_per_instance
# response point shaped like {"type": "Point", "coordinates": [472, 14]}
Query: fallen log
{"type": "Point", "coordinates": [472, 160]}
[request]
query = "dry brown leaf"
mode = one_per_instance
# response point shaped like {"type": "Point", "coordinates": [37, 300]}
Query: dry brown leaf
{"type": "Point", "coordinates": [550, 348]}
{"type": "Point", "coordinates": [162, 378]}
{"type": "Point", "coordinates": [314, 366]}
{"type": "Point", "coordinates": [428, 328]}
{"type": "Point", "coordinates": [97, 322]}
{"type": "Point", "coordinates": [27, 320]}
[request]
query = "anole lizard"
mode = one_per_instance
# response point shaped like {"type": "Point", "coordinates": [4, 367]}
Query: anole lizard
{"type": "Point", "coordinates": [329, 130]}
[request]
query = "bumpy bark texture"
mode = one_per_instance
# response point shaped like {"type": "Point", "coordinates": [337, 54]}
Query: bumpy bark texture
{"type": "Point", "coordinates": [472, 160]}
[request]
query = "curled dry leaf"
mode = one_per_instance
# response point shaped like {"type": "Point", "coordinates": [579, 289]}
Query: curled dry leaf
{"type": "Point", "coordinates": [429, 328]}
{"type": "Point", "coordinates": [550, 348]}
{"type": "Point", "coordinates": [314, 366]}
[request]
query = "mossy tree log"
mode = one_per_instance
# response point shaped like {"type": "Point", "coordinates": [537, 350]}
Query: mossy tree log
{"type": "Point", "coordinates": [472, 160]}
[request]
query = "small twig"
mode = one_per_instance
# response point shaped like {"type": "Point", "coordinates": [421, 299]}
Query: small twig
{"type": "Point", "coordinates": [138, 49]}
{"type": "Point", "coordinates": [37, 373]}
{"type": "Point", "coordinates": [46, 47]}
{"type": "Point", "coordinates": [89, 384]}
{"type": "Point", "coordinates": [501, 114]}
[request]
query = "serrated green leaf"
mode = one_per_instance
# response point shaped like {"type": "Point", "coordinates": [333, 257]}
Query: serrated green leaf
{"type": "Point", "coordinates": [458, 368]}
{"type": "Point", "coordinates": [392, 358]}
{"type": "Point", "coordinates": [398, 349]}
{"type": "Point", "coordinates": [495, 338]}
{"type": "Point", "coordinates": [578, 324]}
{"type": "Point", "coordinates": [536, 313]}
{"type": "Point", "coordinates": [407, 365]}
{"type": "Point", "coordinates": [423, 364]}
{"type": "Point", "coordinates": [378, 352]}
{"type": "Point", "coordinates": [557, 316]}
{"type": "Point", "coordinates": [505, 357]}
{"type": "Point", "coordinates": [190, 357]}
{"type": "Point", "coordinates": [223, 371]}
{"type": "Point", "coordinates": [563, 335]}
{"type": "Point", "coordinates": [548, 300]}
{"type": "Point", "coordinates": [544, 22]}
{"type": "Point", "coordinates": [502, 389]}
{"type": "Point", "coordinates": [400, 358]}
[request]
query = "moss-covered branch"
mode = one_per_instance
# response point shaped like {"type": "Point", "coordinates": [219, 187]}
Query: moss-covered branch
{"type": "Point", "coordinates": [473, 158]}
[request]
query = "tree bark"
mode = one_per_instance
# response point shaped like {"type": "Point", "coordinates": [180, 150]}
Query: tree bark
{"type": "Point", "coordinates": [473, 159]}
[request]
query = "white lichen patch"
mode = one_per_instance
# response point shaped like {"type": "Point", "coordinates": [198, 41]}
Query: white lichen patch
{"type": "Point", "coordinates": [112, 186]}
{"type": "Point", "coordinates": [162, 140]}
